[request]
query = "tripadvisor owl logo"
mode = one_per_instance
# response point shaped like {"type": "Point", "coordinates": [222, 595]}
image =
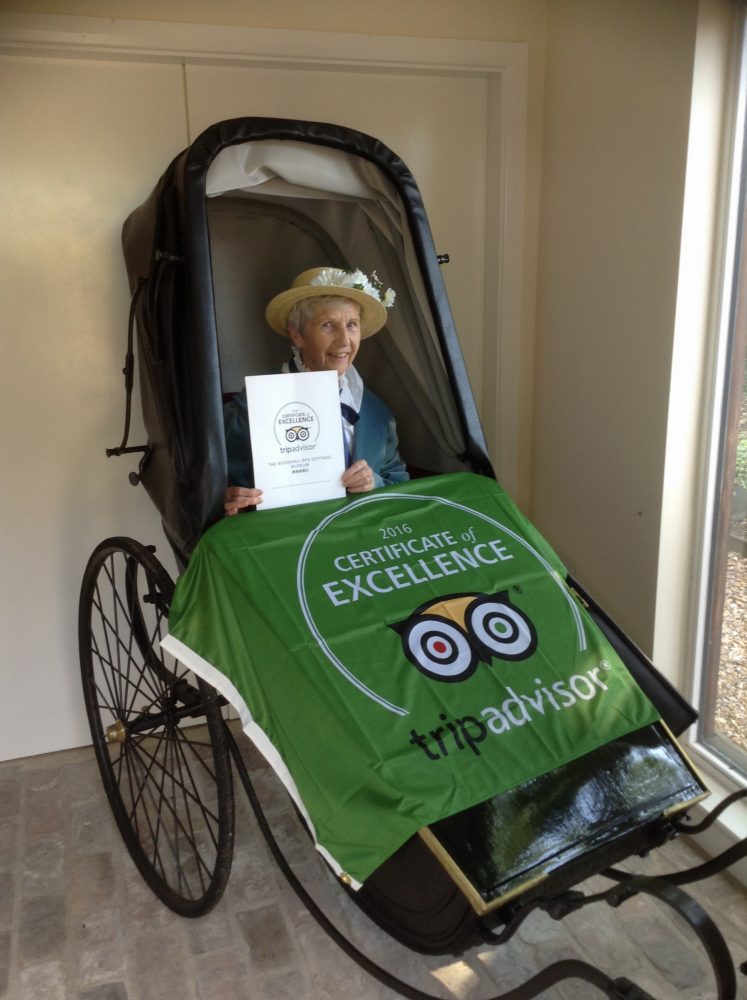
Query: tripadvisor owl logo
{"type": "Point", "coordinates": [296, 427]}
{"type": "Point", "coordinates": [446, 639]}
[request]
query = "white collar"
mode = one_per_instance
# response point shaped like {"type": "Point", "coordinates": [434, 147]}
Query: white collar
{"type": "Point", "coordinates": [351, 384]}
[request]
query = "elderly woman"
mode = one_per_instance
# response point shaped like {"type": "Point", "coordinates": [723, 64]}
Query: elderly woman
{"type": "Point", "coordinates": [325, 314]}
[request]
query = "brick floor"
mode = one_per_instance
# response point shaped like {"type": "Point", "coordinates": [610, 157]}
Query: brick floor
{"type": "Point", "coordinates": [77, 921]}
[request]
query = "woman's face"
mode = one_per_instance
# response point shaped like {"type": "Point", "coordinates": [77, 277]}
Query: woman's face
{"type": "Point", "coordinates": [330, 340]}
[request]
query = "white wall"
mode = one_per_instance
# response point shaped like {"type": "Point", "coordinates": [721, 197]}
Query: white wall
{"type": "Point", "coordinates": [522, 21]}
{"type": "Point", "coordinates": [615, 77]}
{"type": "Point", "coordinates": [618, 85]}
{"type": "Point", "coordinates": [85, 136]}
{"type": "Point", "coordinates": [85, 140]}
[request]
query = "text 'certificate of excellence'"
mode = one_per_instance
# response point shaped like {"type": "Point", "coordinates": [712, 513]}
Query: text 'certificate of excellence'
{"type": "Point", "coordinates": [296, 434]}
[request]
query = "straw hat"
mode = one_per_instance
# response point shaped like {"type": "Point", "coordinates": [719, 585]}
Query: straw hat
{"type": "Point", "coordinates": [317, 281]}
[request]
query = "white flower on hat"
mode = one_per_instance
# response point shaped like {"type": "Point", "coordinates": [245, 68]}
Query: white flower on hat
{"type": "Point", "coordinates": [356, 279]}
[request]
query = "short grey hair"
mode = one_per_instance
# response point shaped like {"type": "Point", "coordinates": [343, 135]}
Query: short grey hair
{"type": "Point", "coordinates": [306, 309]}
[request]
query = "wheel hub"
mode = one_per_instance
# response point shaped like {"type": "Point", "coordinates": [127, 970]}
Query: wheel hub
{"type": "Point", "coordinates": [116, 732]}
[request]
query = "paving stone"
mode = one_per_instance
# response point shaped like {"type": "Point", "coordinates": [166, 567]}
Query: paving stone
{"type": "Point", "coordinates": [210, 934]}
{"type": "Point", "coordinates": [287, 985]}
{"type": "Point", "coordinates": [510, 965]}
{"type": "Point", "coordinates": [681, 854]}
{"type": "Point", "coordinates": [459, 978]}
{"type": "Point", "coordinates": [42, 928]}
{"type": "Point", "coordinates": [46, 776]}
{"type": "Point", "coordinates": [159, 970]}
{"type": "Point", "coordinates": [43, 982]}
{"type": "Point", "coordinates": [547, 953]}
{"type": "Point", "coordinates": [101, 962]}
{"type": "Point", "coordinates": [265, 931]}
{"type": "Point", "coordinates": [139, 905]}
{"type": "Point", "coordinates": [335, 976]}
{"type": "Point", "coordinates": [81, 910]}
{"type": "Point", "coordinates": [98, 924]}
{"type": "Point", "coordinates": [254, 878]}
{"type": "Point", "coordinates": [271, 793]}
{"type": "Point", "coordinates": [578, 987]}
{"type": "Point", "coordinates": [722, 892]}
{"type": "Point", "coordinates": [253, 759]}
{"type": "Point", "coordinates": [45, 810]}
{"type": "Point", "coordinates": [223, 975]}
{"type": "Point", "coordinates": [106, 991]}
{"type": "Point", "coordinates": [8, 844]}
{"type": "Point", "coordinates": [91, 880]}
{"type": "Point", "coordinates": [291, 837]}
{"type": "Point", "coordinates": [678, 960]}
{"type": "Point", "coordinates": [100, 944]}
{"type": "Point", "coordinates": [10, 799]}
{"type": "Point", "coordinates": [539, 927]}
{"type": "Point", "coordinates": [598, 933]}
{"type": "Point", "coordinates": [90, 830]}
{"type": "Point", "coordinates": [82, 783]}
{"type": "Point", "coordinates": [5, 945]}
{"type": "Point", "coordinates": [44, 865]}
{"type": "Point", "coordinates": [331, 983]}
{"type": "Point", "coordinates": [648, 979]}
{"type": "Point", "coordinates": [7, 895]}
{"type": "Point", "coordinates": [44, 805]}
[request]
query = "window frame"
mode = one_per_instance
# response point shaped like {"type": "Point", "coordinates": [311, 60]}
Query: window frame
{"type": "Point", "coordinates": [691, 471]}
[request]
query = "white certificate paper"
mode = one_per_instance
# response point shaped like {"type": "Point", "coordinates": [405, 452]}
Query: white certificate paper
{"type": "Point", "coordinates": [296, 434]}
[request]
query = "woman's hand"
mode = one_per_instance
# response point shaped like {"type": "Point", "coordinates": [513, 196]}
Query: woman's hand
{"type": "Point", "coordinates": [358, 477]}
{"type": "Point", "coordinates": [236, 498]}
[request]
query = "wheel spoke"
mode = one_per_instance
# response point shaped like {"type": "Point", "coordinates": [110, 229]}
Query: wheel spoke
{"type": "Point", "coordinates": [177, 782]}
{"type": "Point", "coordinates": [110, 572]}
{"type": "Point", "coordinates": [144, 802]}
{"type": "Point", "coordinates": [210, 820]}
{"type": "Point", "coordinates": [170, 823]}
{"type": "Point", "coordinates": [120, 677]}
{"type": "Point", "coordinates": [159, 761]}
{"type": "Point", "coordinates": [124, 682]}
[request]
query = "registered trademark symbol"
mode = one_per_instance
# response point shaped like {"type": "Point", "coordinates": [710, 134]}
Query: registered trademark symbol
{"type": "Point", "coordinates": [518, 590]}
{"type": "Point", "coordinates": [605, 664]}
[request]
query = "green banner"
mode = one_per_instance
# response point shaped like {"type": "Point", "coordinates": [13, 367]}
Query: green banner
{"type": "Point", "coordinates": [403, 655]}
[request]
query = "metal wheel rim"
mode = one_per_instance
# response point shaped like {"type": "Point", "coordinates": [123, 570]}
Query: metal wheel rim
{"type": "Point", "coordinates": [168, 781]}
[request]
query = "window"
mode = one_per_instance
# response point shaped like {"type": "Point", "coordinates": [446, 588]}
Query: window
{"type": "Point", "coordinates": [723, 725]}
{"type": "Point", "coordinates": [723, 696]}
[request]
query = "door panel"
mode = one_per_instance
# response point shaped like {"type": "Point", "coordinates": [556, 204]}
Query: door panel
{"type": "Point", "coordinates": [83, 142]}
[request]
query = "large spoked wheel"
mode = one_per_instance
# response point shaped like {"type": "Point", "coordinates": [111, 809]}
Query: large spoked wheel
{"type": "Point", "coordinates": [157, 731]}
